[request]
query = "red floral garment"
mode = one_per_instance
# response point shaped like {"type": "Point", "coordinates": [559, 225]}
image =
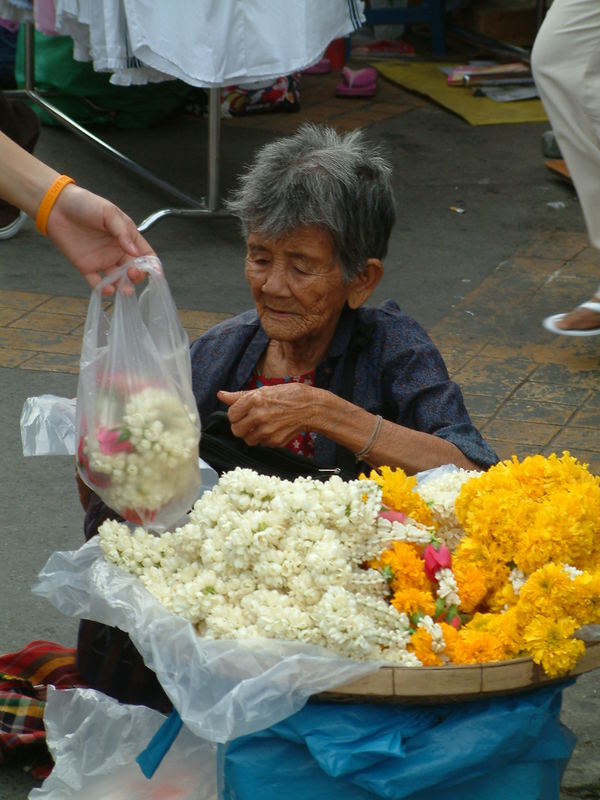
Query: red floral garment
{"type": "Point", "coordinates": [304, 443]}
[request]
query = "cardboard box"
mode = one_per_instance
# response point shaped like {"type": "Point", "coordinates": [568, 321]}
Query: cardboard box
{"type": "Point", "coordinates": [510, 21]}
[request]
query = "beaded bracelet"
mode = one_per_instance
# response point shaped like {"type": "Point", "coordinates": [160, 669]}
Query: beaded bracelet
{"type": "Point", "coordinates": [48, 200]}
{"type": "Point", "coordinates": [372, 439]}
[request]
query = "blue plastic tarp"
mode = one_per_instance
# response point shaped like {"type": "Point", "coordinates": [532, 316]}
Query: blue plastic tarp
{"type": "Point", "coordinates": [502, 748]}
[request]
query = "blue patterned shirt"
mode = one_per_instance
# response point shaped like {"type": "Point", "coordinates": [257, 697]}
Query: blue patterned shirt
{"type": "Point", "coordinates": [399, 373]}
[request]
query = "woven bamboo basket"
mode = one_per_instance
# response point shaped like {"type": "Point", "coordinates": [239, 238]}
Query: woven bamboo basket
{"type": "Point", "coordinates": [456, 682]}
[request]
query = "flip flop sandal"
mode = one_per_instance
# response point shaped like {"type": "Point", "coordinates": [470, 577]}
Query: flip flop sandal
{"type": "Point", "coordinates": [359, 77]}
{"type": "Point", "coordinates": [357, 83]}
{"type": "Point", "coordinates": [322, 67]}
{"type": "Point", "coordinates": [550, 322]}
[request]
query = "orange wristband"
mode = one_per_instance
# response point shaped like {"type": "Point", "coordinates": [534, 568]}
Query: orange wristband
{"type": "Point", "coordinates": [41, 219]}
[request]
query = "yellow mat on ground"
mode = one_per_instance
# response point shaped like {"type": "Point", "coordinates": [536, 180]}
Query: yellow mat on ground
{"type": "Point", "coordinates": [427, 78]}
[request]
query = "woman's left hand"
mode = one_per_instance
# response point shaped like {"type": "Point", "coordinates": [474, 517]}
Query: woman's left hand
{"type": "Point", "coordinates": [272, 415]}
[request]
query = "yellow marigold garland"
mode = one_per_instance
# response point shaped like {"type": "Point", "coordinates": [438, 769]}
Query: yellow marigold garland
{"type": "Point", "coordinates": [538, 519]}
{"type": "Point", "coordinates": [539, 510]}
{"type": "Point", "coordinates": [550, 643]}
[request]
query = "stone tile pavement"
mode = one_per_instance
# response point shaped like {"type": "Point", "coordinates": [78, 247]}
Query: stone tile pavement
{"type": "Point", "coordinates": [527, 390]}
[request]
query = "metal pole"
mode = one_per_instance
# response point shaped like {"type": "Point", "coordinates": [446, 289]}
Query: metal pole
{"type": "Point", "coordinates": [29, 57]}
{"type": "Point", "coordinates": [214, 131]}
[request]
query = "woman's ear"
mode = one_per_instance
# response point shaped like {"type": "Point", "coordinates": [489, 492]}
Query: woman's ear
{"type": "Point", "coordinates": [362, 285]}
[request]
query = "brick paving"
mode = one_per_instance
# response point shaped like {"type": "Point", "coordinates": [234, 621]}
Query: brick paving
{"type": "Point", "coordinates": [527, 390]}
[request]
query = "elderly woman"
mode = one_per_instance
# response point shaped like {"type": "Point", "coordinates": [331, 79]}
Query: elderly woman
{"type": "Point", "coordinates": [317, 211]}
{"type": "Point", "coordinates": [311, 368]}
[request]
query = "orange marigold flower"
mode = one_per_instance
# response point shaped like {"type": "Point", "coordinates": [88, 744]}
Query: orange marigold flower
{"type": "Point", "coordinates": [585, 599]}
{"type": "Point", "coordinates": [450, 638]}
{"type": "Point", "coordinates": [475, 647]}
{"type": "Point", "coordinates": [545, 591]}
{"type": "Point", "coordinates": [413, 600]}
{"type": "Point", "coordinates": [502, 597]}
{"type": "Point", "coordinates": [504, 627]}
{"type": "Point", "coordinates": [509, 632]}
{"type": "Point", "coordinates": [405, 562]}
{"type": "Point", "coordinates": [471, 584]}
{"type": "Point", "coordinates": [539, 510]}
{"type": "Point", "coordinates": [420, 644]}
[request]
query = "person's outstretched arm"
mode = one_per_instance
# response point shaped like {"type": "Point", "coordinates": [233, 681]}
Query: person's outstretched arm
{"type": "Point", "coordinates": [89, 230]}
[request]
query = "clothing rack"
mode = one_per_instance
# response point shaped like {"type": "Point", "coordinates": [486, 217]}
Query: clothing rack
{"type": "Point", "coordinates": [193, 207]}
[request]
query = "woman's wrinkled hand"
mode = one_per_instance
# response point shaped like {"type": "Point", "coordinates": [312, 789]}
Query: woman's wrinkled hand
{"type": "Point", "coordinates": [272, 415]}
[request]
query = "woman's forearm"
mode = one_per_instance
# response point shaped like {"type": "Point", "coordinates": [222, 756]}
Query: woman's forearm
{"type": "Point", "coordinates": [24, 179]}
{"type": "Point", "coordinates": [394, 445]}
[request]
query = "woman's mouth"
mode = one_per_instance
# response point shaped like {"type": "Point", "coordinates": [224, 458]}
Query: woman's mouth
{"type": "Point", "coordinates": [278, 312]}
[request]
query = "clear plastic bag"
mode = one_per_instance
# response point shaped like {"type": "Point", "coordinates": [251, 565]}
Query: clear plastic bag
{"type": "Point", "coordinates": [95, 740]}
{"type": "Point", "coordinates": [222, 688]}
{"type": "Point", "coordinates": [137, 425]}
{"type": "Point", "coordinates": [48, 425]}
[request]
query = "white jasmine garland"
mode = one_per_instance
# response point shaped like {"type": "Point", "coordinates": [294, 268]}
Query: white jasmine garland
{"type": "Point", "coordinates": [517, 579]}
{"type": "Point", "coordinates": [265, 557]}
{"type": "Point", "coordinates": [440, 494]}
{"type": "Point", "coordinates": [447, 588]}
{"type": "Point", "coordinates": [434, 629]}
{"type": "Point", "coordinates": [572, 572]}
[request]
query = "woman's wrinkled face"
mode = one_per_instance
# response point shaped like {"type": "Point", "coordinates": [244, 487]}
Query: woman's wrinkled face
{"type": "Point", "coordinates": [297, 285]}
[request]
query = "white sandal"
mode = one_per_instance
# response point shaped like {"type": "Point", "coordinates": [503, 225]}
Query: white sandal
{"type": "Point", "coordinates": [550, 322]}
{"type": "Point", "coordinates": [14, 227]}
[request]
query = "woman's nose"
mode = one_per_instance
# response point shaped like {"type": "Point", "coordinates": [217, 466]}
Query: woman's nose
{"type": "Point", "coordinates": [276, 281]}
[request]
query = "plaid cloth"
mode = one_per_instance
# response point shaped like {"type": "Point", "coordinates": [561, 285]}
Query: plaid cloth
{"type": "Point", "coordinates": [24, 677]}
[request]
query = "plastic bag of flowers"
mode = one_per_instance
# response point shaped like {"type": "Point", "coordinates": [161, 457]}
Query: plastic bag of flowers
{"type": "Point", "coordinates": [137, 426]}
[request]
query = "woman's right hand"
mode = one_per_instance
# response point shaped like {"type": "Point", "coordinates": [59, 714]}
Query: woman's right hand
{"type": "Point", "coordinates": [271, 415]}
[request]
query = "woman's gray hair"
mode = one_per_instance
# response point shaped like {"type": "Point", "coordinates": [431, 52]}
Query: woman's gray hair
{"type": "Point", "coordinates": [320, 177]}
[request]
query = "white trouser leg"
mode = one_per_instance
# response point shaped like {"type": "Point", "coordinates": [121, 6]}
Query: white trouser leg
{"type": "Point", "coordinates": [566, 67]}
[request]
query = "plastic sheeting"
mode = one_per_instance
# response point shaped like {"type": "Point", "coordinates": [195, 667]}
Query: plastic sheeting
{"type": "Point", "coordinates": [222, 689]}
{"type": "Point", "coordinates": [503, 748]}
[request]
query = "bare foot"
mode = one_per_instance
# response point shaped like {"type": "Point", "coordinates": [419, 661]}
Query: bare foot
{"type": "Point", "coordinates": [580, 319]}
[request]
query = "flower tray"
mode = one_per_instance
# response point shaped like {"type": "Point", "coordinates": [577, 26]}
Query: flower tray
{"type": "Point", "coordinates": [455, 682]}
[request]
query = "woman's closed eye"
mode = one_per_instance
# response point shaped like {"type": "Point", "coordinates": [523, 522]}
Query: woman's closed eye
{"type": "Point", "coordinates": [300, 269]}
{"type": "Point", "coordinates": [258, 261]}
